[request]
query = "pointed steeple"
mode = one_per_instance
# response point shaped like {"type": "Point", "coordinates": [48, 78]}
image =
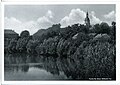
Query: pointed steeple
{"type": "Point", "coordinates": [87, 20]}
{"type": "Point", "coordinates": [87, 14]}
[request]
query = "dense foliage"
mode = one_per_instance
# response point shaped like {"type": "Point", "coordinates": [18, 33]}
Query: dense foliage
{"type": "Point", "coordinates": [93, 49]}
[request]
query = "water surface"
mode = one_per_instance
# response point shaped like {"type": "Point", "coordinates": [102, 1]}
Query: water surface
{"type": "Point", "coordinates": [32, 67]}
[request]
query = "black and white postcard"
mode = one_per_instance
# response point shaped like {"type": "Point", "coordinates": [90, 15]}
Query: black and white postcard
{"type": "Point", "coordinates": [59, 42]}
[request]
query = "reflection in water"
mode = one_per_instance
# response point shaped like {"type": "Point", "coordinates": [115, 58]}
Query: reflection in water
{"type": "Point", "coordinates": [24, 67]}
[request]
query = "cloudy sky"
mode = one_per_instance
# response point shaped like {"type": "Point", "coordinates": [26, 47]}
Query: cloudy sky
{"type": "Point", "coordinates": [35, 17]}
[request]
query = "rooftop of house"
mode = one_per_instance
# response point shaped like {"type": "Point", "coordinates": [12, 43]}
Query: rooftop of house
{"type": "Point", "coordinates": [9, 31]}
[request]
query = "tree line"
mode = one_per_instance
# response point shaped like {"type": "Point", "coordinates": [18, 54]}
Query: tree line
{"type": "Point", "coordinates": [94, 47]}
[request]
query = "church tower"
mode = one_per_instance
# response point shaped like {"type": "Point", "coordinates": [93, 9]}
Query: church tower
{"type": "Point", "coordinates": [87, 20]}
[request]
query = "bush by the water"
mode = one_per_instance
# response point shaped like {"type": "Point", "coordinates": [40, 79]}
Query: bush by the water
{"type": "Point", "coordinates": [48, 46]}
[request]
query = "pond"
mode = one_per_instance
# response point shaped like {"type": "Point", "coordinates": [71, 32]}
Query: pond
{"type": "Point", "coordinates": [21, 66]}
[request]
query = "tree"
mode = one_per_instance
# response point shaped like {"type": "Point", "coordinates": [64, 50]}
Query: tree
{"type": "Point", "coordinates": [104, 28]}
{"type": "Point", "coordinates": [21, 44]}
{"type": "Point", "coordinates": [99, 60]}
{"type": "Point", "coordinates": [97, 28]}
{"type": "Point", "coordinates": [24, 33]}
{"type": "Point", "coordinates": [12, 46]}
{"type": "Point", "coordinates": [113, 23]}
{"type": "Point", "coordinates": [113, 30]}
{"type": "Point", "coordinates": [31, 45]}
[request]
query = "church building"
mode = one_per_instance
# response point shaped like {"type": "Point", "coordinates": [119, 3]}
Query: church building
{"type": "Point", "coordinates": [87, 20]}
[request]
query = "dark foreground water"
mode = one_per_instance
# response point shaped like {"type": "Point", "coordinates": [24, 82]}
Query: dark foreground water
{"type": "Point", "coordinates": [33, 67]}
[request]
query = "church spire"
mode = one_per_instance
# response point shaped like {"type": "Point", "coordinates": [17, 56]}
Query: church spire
{"type": "Point", "coordinates": [87, 14]}
{"type": "Point", "coordinates": [87, 20]}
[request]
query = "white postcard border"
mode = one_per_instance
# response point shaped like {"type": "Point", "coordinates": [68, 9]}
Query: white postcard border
{"type": "Point", "coordinates": [67, 82]}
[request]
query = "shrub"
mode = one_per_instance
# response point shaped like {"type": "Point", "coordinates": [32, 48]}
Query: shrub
{"type": "Point", "coordinates": [31, 45]}
{"type": "Point", "coordinates": [48, 46]}
{"type": "Point", "coordinates": [21, 44]}
{"type": "Point", "coordinates": [12, 46]}
{"type": "Point", "coordinates": [63, 47]}
{"type": "Point", "coordinates": [80, 38]}
{"type": "Point", "coordinates": [99, 60]}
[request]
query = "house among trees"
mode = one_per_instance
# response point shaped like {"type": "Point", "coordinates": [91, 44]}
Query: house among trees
{"type": "Point", "coordinates": [10, 34]}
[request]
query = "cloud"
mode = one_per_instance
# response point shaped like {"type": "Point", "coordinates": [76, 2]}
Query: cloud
{"type": "Point", "coordinates": [18, 26]}
{"type": "Point", "coordinates": [44, 22]}
{"type": "Point", "coordinates": [94, 19]}
{"type": "Point", "coordinates": [32, 26]}
{"type": "Point", "coordinates": [11, 22]}
{"type": "Point", "coordinates": [78, 16]}
{"type": "Point", "coordinates": [111, 16]}
{"type": "Point", "coordinates": [75, 16]}
{"type": "Point", "coordinates": [49, 14]}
